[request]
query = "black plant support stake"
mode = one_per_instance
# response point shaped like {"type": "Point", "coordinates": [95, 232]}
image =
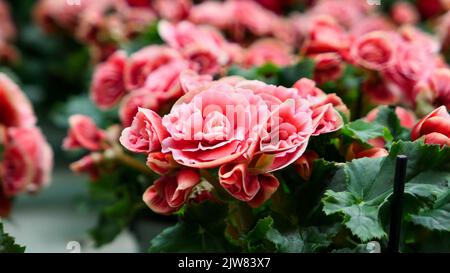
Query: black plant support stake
{"type": "Point", "coordinates": [397, 204]}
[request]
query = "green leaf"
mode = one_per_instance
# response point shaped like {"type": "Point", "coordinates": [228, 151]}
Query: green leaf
{"type": "Point", "coordinates": [387, 117]}
{"type": "Point", "coordinates": [7, 243]}
{"type": "Point", "coordinates": [435, 218]}
{"type": "Point", "coordinates": [81, 104]}
{"type": "Point", "coordinates": [290, 74]}
{"type": "Point", "coordinates": [118, 197]}
{"type": "Point", "coordinates": [267, 73]}
{"type": "Point", "coordinates": [369, 185]}
{"type": "Point", "coordinates": [272, 74]}
{"type": "Point", "coordinates": [112, 220]}
{"type": "Point", "coordinates": [364, 131]}
{"type": "Point", "coordinates": [298, 202]}
{"type": "Point", "coordinates": [265, 237]}
{"type": "Point", "coordinates": [202, 229]}
{"type": "Point", "coordinates": [148, 37]}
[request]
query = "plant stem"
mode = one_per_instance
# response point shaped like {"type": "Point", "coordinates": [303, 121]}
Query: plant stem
{"type": "Point", "coordinates": [218, 191]}
{"type": "Point", "coordinates": [133, 163]}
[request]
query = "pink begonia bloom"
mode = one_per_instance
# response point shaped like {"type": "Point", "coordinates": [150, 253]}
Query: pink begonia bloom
{"type": "Point", "coordinates": [27, 161]}
{"type": "Point", "coordinates": [328, 67]}
{"type": "Point", "coordinates": [214, 126]}
{"type": "Point", "coordinates": [205, 47]}
{"type": "Point", "coordinates": [325, 35]}
{"type": "Point", "coordinates": [285, 134]}
{"type": "Point", "coordinates": [406, 117]}
{"type": "Point", "coordinates": [169, 193]}
{"type": "Point", "coordinates": [212, 13]}
{"type": "Point", "coordinates": [146, 61]}
{"type": "Point", "coordinates": [268, 50]}
{"type": "Point", "coordinates": [411, 65]}
{"type": "Point", "coordinates": [371, 23]}
{"type": "Point", "coordinates": [436, 88]}
{"type": "Point", "coordinates": [426, 42]}
{"type": "Point", "coordinates": [161, 163]}
{"type": "Point", "coordinates": [174, 10]}
{"type": "Point", "coordinates": [355, 150]}
{"type": "Point", "coordinates": [254, 189]}
{"type": "Point", "coordinates": [379, 91]}
{"type": "Point", "coordinates": [346, 14]}
{"type": "Point", "coordinates": [15, 108]}
{"type": "Point", "coordinates": [135, 99]}
{"type": "Point", "coordinates": [434, 127]}
{"type": "Point", "coordinates": [145, 133]}
{"type": "Point", "coordinates": [108, 85]}
{"type": "Point", "coordinates": [374, 50]}
{"type": "Point", "coordinates": [404, 13]}
{"type": "Point", "coordinates": [191, 81]}
{"type": "Point", "coordinates": [83, 134]}
{"type": "Point", "coordinates": [325, 117]}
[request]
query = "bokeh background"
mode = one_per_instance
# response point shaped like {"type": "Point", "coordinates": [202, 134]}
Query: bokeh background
{"type": "Point", "coordinates": [54, 71]}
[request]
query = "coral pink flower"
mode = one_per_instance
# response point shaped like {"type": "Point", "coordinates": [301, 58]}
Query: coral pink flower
{"type": "Point", "coordinates": [437, 138]}
{"type": "Point", "coordinates": [8, 31]}
{"type": "Point", "coordinates": [15, 108]}
{"type": "Point", "coordinates": [204, 46]}
{"type": "Point", "coordinates": [191, 81]}
{"type": "Point", "coordinates": [346, 14]}
{"type": "Point", "coordinates": [286, 134]}
{"type": "Point", "coordinates": [406, 117]}
{"type": "Point", "coordinates": [426, 42]}
{"type": "Point", "coordinates": [437, 88]}
{"type": "Point", "coordinates": [146, 61]}
{"type": "Point", "coordinates": [430, 8]}
{"type": "Point", "coordinates": [161, 163]}
{"type": "Point", "coordinates": [27, 161]}
{"type": "Point", "coordinates": [379, 91]}
{"type": "Point", "coordinates": [329, 67]}
{"type": "Point", "coordinates": [404, 13]}
{"type": "Point", "coordinates": [130, 104]}
{"type": "Point", "coordinates": [212, 13]}
{"type": "Point", "coordinates": [88, 164]}
{"type": "Point", "coordinates": [336, 102]}
{"type": "Point", "coordinates": [169, 193]}
{"type": "Point", "coordinates": [268, 50]}
{"type": "Point", "coordinates": [326, 119]}
{"type": "Point", "coordinates": [145, 133]}
{"type": "Point", "coordinates": [254, 189]}
{"type": "Point", "coordinates": [412, 64]}
{"type": "Point", "coordinates": [163, 83]}
{"type": "Point", "coordinates": [203, 60]}
{"type": "Point", "coordinates": [253, 17]}
{"type": "Point", "coordinates": [307, 89]}
{"type": "Point", "coordinates": [325, 35]}
{"type": "Point", "coordinates": [108, 85]}
{"type": "Point", "coordinates": [183, 34]}
{"type": "Point", "coordinates": [374, 50]}
{"type": "Point", "coordinates": [83, 133]}
{"type": "Point", "coordinates": [52, 15]}
{"type": "Point", "coordinates": [434, 127]}
{"type": "Point", "coordinates": [212, 127]}
{"type": "Point", "coordinates": [355, 151]}
{"type": "Point", "coordinates": [371, 23]}
{"type": "Point", "coordinates": [174, 10]}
